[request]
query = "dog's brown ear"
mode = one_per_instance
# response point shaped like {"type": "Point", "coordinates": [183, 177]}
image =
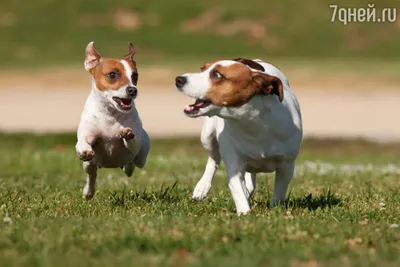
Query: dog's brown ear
{"type": "Point", "coordinates": [252, 64]}
{"type": "Point", "coordinates": [205, 66]}
{"type": "Point", "coordinates": [92, 57]}
{"type": "Point", "coordinates": [131, 53]}
{"type": "Point", "coordinates": [267, 84]}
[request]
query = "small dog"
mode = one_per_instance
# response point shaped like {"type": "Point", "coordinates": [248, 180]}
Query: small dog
{"type": "Point", "coordinates": [110, 132]}
{"type": "Point", "coordinates": [252, 121]}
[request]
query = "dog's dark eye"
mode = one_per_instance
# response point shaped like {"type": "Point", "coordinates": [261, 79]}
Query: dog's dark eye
{"type": "Point", "coordinates": [112, 75]}
{"type": "Point", "coordinates": [214, 74]}
{"type": "Point", "coordinates": [135, 77]}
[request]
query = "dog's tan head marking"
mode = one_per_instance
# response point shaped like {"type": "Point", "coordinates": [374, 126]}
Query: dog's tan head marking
{"type": "Point", "coordinates": [209, 64]}
{"type": "Point", "coordinates": [235, 84]}
{"type": "Point", "coordinates": [252, 64]}
{"type": "Point", "coordinates": [110, 73]}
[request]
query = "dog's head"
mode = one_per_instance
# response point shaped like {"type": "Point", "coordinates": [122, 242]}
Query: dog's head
{"type": "Point", "coordinates": [114, 79]}
{"type": "Point", "coordinates": [225, 84]}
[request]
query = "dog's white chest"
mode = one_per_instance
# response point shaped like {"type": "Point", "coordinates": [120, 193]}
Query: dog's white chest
{"type": "Point", "coordinates": [110, 150]}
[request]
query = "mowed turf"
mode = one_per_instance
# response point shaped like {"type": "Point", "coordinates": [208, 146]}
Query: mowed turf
{"type": "Point", "coordinates": [343, 209]}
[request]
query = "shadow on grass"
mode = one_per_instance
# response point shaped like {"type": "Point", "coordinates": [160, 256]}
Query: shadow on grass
{"type": "Point", "coordinates": [326, 200]}
{"type": "Point", "coordinates": [310, 202]}
{"type": "Point", "coordinates": [172, 194]}
{"type": "Point", "coordinates": [165, 194]}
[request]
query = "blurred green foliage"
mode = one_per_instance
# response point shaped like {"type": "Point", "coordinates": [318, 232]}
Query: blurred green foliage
{"type": "Point", "coordinates": [52, 32]}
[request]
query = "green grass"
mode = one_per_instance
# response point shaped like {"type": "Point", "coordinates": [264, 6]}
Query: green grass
{"type": "Point", "coordinates": [46, 32]}
{"type": "Point", "coordinates": [341, 211]}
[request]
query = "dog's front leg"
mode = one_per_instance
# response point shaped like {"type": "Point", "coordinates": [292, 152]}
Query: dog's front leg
{"type": "Point", "coordinates": [84, 146]}
{"type": "Point", "coordinates": [237, 185]}
{"type": "Point", "coordinates": [131, 141]}
{"type": "Point", "coordinates": [86, 139]}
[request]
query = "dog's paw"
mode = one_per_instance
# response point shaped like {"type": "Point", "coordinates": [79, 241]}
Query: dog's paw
{"type": "Point", "coordinates": [276, 202]}
{"type": "Point", "coordinates": [129, 169]}
{"type": "Point", "coordinates": [88, 192]}
{"type": "Point", "coordinates": [86, 155]}
{"type": "Point", "coordinates": [127, 133]}
{"type": "Point", "coordinates": [243, 213]}
{"type": "Point", "coordinates": [201, 190]}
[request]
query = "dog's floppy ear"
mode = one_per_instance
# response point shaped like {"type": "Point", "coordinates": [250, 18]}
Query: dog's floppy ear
{"type": "Point", "coordinates": [252, 64]}
{"type": "Point", "coordinates": [92, 57]}
{"type": "Point", "coordinates": [267, 84]}
{"type": "Point", "coordinates": [132, 51]}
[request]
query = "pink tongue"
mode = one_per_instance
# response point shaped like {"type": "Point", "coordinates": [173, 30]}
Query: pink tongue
{"type": "Point", "coordinates": [198, 103]}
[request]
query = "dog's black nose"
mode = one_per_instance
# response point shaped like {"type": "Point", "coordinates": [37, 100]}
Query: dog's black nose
{"type": "Point", "coordinates": [132, 91]}
{"type": "Point", "coordinates": [180, 81]}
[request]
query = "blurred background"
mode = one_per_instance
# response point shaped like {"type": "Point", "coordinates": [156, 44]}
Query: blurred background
{"type": "Point", "coordinates": [346, 76]}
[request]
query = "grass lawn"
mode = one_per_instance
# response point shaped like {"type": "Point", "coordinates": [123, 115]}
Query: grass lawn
{"type": "Point", "coordinates": [343, 209]}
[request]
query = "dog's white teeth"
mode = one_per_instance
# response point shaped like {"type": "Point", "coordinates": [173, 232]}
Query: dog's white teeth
{"type": "Point", "coordinates": [189, 108]}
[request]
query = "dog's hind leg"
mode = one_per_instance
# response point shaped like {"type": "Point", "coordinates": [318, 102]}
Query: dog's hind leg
{"type": "Point", "coordinates": [210, 144]}
{"type": "Point", "coordinates": [91, 175]}
{"type": "Point", "coordinates": [283, 176]}
{"type": "Point", "coordinates": [141, 158]}
{"type": "Point", "coordinates": [250, 179]}
{"type": "Point", "coordinates": [141, 155]}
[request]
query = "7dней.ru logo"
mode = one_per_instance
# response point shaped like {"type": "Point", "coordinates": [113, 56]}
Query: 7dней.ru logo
{"type": "Point", "coordinates": [357, 14]}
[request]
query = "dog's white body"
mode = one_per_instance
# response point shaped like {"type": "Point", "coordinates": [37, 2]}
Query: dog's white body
{"type": "Point", "coordinates": [261, 136]}
{"type": "Point", "coordinates": [104, 123]}
{"type": "Point", "coordinates": [109, 137]}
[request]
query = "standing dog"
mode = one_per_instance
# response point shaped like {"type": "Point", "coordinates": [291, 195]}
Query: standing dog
{"type": "Point", "coordinates": [110, 132]}
{"type": "Point", "coordinates": [253, 122]}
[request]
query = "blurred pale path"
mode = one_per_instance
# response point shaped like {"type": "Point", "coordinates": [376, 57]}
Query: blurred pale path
{"type": "Point", "coordinates": [327, 113]}
{"type": "Point", "coordinates": [336, 69]}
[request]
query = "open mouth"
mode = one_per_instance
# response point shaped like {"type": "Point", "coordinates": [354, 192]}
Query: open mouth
{"type": "Point", "coordinates": [123, 103]}
{"type": "Point", "coordinates": [194, 108]}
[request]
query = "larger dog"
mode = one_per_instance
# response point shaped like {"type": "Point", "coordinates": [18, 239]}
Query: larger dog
{"type": "Point", "coordinates": [253, 123]}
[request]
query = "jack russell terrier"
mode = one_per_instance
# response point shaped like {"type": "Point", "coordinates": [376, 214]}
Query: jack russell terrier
{"type": "Point", "coordinates": [252, 122]}
{"type": "Point", "coordinates": [110, 132]}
